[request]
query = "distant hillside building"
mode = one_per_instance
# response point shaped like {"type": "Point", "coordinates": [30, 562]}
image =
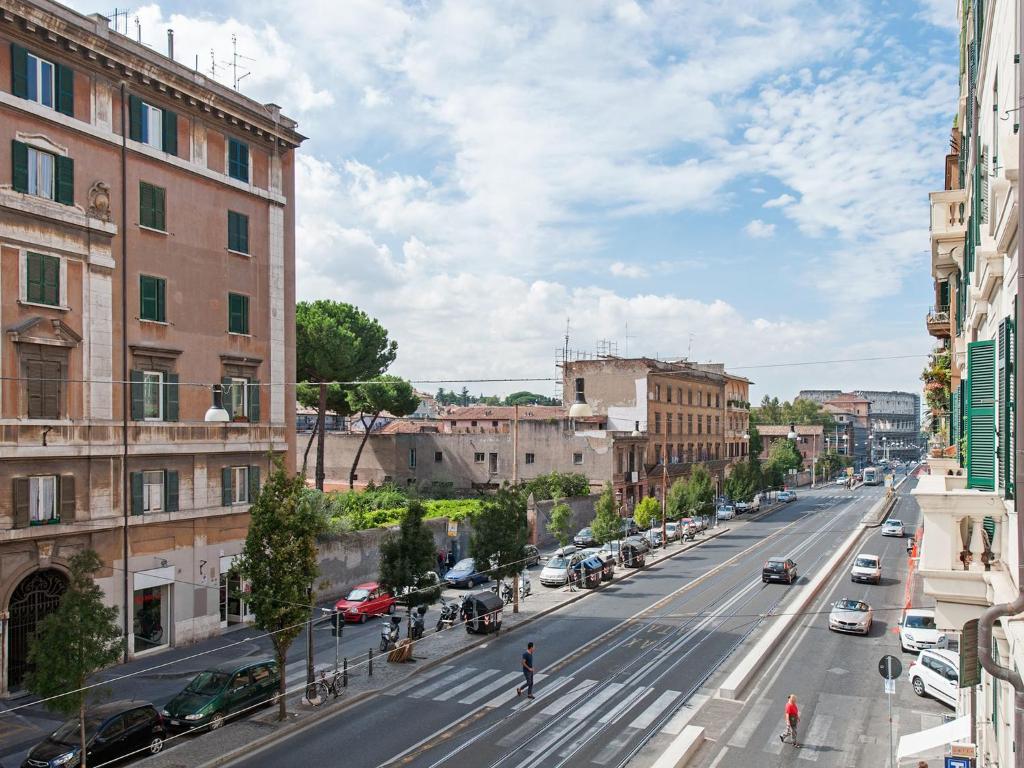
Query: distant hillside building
{"type": "Point", "coordinates": [894, 419]}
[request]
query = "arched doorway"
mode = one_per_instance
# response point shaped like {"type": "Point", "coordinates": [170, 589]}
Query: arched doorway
{"type": "Point", "coordinates": [35, 598]}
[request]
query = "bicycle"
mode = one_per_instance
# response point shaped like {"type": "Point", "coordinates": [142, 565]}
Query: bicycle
{"type": "Point", "coordinates": [325, 687]}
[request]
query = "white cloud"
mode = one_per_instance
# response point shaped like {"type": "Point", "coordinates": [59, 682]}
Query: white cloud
{"type": "Point", "coordinates": [620, 269]}
{"type": "Point", "coordinates": [779, 202]}
{"type": "Point", "coordinates": [759, 229]}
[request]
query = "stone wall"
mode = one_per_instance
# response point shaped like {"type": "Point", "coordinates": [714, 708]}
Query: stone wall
{"type": "Point", "coordinates": [539, 513]}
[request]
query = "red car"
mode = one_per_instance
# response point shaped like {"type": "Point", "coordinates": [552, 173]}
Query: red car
{"type": "Point", "coordinates": [365, 600]}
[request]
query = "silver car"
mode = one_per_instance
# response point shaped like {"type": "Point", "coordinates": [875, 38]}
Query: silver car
{"type": "Point", "coordinates": [850, 616]}
{"type": "Point", "coordinates": [893, 527]}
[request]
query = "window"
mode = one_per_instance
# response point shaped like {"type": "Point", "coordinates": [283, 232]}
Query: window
{"type": "Point", "coordinates": [236, 396]}
{"type": "Point", "coordinates": [154, 395]}
{"type": "Point", "coordinates": [43, 174]}
{"type": "Point", "coordinates": [412, 458]}
{"type": "Point", "coordinates": [152, 491]}
{"type": "Point", "coordinates": [238, 313]}
{"type": "Point", "coordinates": [42, 281]}
{"type": "Point", "coordinates": [238, 489]}
{"type": "Point", "coordinates": [657, 423]}
{"type": "Point", "coordinates": [152, 125]}
{"type": "Point", "coordinates": [438, 457]}
{"type": "Point", "coordinates": [42, 499]}
{"type": "Point", "coordinates": [152, 402]}
{"type": "Point", "coordinates": [668, 393]}
{"type": "Point", "coordinates": [700, 424]}
{"type": "Point", "coordinates": [668, 424]}
{"type": "Point", "coordinates": [478, 458]}
{"type": "Point", "coordinates": [42, 81]}
{"type": "Point", "coordinates": [238, 160]}
{"type": "Point", "coordinates": [238, 232]}
{"type": "Point", "coordinates": [577, 458]}
{"type": "Point", "coordinates": [689, 423]}
{"type": "Point", "coordinates": [43, 368]}
{"type": "Point", "coordinates": [657, 392]}
{"type": "Point", "coordinates": [492, 463]}
{"type": "Point", "coordinates": [151, 298]}
{"type": "Point", "coordinates": [679, 418]}
{"type": "Point", "coordinates": [151, 207]}
{"type": "Point", "coordinates": [657, 454]}
{"type": "Point", "coordinates": [530, 458]}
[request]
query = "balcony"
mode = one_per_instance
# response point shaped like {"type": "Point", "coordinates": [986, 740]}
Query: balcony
{"type": "Point", "coordinates": [938, 322]}
{"type": "Point", "coordinates": [737, 405]}
{"type": "Point", "coordinates": [964, 546]}
{"type": "Point", "coordinates": [948, 226]}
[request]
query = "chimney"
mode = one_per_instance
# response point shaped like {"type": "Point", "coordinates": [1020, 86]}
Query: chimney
{"type": "Point", "coordinates": [170, 44]}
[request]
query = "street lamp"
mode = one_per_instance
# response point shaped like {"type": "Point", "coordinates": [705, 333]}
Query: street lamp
{"type": "Point", "coordinates": [580, 409]}
{"type": "Point", "coordinates": [216, 413]}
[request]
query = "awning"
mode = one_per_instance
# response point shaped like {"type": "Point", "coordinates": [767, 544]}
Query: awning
{"type": "Point", "coordinates": [942, 735]}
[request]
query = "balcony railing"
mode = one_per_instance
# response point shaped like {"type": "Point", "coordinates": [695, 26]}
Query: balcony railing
{"type": "Point", "coordinates": [948, 215]}
{"type": "Point", "coordinates": [938, 321]}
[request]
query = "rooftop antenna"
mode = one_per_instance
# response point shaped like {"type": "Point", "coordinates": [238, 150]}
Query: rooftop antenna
{"type": "Point", "coordinates": [138, 30]}
{"type": "Point", "coordinates": [628, 337]}
{"type": "Point", "coordinates": [213, 65]}
{"type": "Point", "coordinates": [565, 349]}
{"type": "Point", "coordinates": [235, 56]}
{"type": "Point", "coordinates": [117, 15]}
{"type": "Point", "coordinates": [689, 347]}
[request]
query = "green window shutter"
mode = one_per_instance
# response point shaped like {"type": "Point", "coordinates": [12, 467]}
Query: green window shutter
{"type": "Point", "coordinates": [170, 394]}
{"type": "Point", "coordinates": [65, 181]}
{"type": "Point", "coordinates": [67, 499]}
{"type": "Point", "coordinates": [228, 400]}
{"type": "Point", "coordinates": [138, 397]}
{"type": "Point", "coordinates": [34, 284]}
{"type": "Point", "coordinates": [1001, 392]}
{"type": "Point", "coordinates": [20, 493]}
{"type": "Point", "coordinates": [158, 209]}
{"type": "Point", "coordinates": [238, 160]}
{"type": "Point", "coordinates": [19, 71]}
{"type": "Point", "coordinates": [238, 232]}
{"type": "Point", "coordinates": [254, 482]}
{"type": "Point", "coordinates": [944, 294]}
{"type": "Point", "coordinates": [152, 296]}
{"type": "Point", "coordinates": [136, 483]}
{"type": "Point", "coordinates": [65, 90]}
{"type": "Point", "coordinates": [51, 280]}
{"type": "Point", "coordinates": [238, 313]}
{"type": "Point", "coordinates": [146, 214]}
{"type": "Point", "coordinates": [1009, 407]}
{"type": "Point", "coordinates": [19, 162]}
{"type": "Point", "coordinates": [225, 486]}
{"type": "Point", "coordinates": [981, 428]}
{"type": "Point", "coordinates": [135, 118]}
{"type": "Point", "coordinates": [254, 401]}
{"type": "Point", "coordinates": [170, 128]}
{"type": "Point", "coordinates": [171, 491]}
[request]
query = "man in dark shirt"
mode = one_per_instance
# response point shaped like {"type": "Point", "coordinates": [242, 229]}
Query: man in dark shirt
{"type": "Point", "coordinates": [527, 672]}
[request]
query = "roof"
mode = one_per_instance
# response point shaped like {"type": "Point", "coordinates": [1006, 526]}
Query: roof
{"type": "Point", "coordinates": [504, 412]}
{"type": "Point", "coordinates": [409, 427]}
{"type": "Point", "coordinates": [847, 397]}
{"type": "Point", "coordinates": [781, 430]}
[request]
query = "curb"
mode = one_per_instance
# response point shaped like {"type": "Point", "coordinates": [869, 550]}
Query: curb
{"type": "Point", "coordinates": [287, 731]}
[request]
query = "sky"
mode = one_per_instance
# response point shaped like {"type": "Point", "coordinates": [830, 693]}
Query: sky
{"type": "Point", "coordinates": [738, 181]}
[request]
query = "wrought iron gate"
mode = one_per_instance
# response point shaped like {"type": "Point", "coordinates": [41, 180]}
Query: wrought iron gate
{"type": "Point", "coordinates": [34, 599]}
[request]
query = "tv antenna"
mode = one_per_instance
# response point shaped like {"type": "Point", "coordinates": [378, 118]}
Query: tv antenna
{"type": "Point", "coordinates": [628, 337]}
{"type": "Point", "coordinates": [689, 347]}
{"type": "Point", "coordinates": [236, 59]}
{"type": "Point", "coordinates": [117, 16]}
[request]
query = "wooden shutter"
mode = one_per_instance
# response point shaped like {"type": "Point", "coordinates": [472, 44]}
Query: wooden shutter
{"type": "Point", "coordinates": [226, 396]}
{"type": "Point", "coordinates": [159, 217]}
{"type": "Point", "coordinates": [19, 71]}
{"type": "Point", "coordinates": [65, 180]}
{"type": "Point", "coordinates": [1009, 407]}
{"type": "Point", "coordinates": [225, 486]}
{"type": "Point", "coordinates": [65, 88]}
{"type": "Point", "coordinates": [20, 492]}
{"type": "Point", "coordinates": [170, 128]}
{"type": "Point", "coordinates": [1001, 394]}
{"type": "Point", "coordinates": [19, 163]}
{"type": "Point", "coordinates": [138, 395]}
{"type": "Point", "coordinates": [983, 186]}
{"type": "Point", "coordinates": [170, 394]}
{"type": "Point", "coordinates": [134, 118]}
{"type": "Point", "coordinates": [51, 280]}
{"type": "Point", "coordinates": [34, 388]}
{"type": "Point", "coordinates": [52, 374]}
{"type": "Point", "coordinates": [254, 482]}
{"type": "Point", "coordinates": [171, 491]}
{"type": "Point", "coordinates": [67, 498]}
{"type": "Point", "coordinates": [954, 419]}
{"type": "Point", "coordinates": [135, 479]}
{"type": "Point", "coordinates": [981, 428]}
{"type": "Point", "coordinates": [34, 277]}
{"type": "Point", "coordinates": [254, 401]}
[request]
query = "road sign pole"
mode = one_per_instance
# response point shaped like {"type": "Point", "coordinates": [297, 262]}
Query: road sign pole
{"type": "Point", "coordinates": [890, 679]}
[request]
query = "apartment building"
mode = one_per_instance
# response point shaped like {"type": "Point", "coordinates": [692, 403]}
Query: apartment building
{"type": "Point", "coordinates": [146, 254]}
{"type": "Point", "coordinates": [894, 419]}
{"type": "Point", "coordinates": [969, 554]}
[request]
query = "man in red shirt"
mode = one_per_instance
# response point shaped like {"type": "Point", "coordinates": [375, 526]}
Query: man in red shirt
{"type": "Point", "coordinates": [792, 718]}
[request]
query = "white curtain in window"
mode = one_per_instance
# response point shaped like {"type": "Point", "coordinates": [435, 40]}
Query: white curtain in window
{"type": "Point", "coordinates": [42, 503]}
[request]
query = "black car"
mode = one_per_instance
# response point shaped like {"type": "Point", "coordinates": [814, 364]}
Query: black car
{"type": "Point", "coordinates": [585, 538]}
{"type": "Point", "coordinates": [779, 569]}
{"type": "Point", "coordinates": [112, 732]}
{"type": "Point", "coordinates": [629, 527]}
{"type": "Point", "coordinates": [532, 555]}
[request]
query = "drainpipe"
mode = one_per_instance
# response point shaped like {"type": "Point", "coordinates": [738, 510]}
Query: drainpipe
{"type": "Point", "coordinates": [996, 612]}
{"type": "Point", "coordinates": [125, 393]}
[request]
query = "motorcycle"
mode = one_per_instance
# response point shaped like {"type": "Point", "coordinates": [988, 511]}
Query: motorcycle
{"type": "Point", "coordinates": [449, 615]}
{"type": "Point", "coordinates": [389, 632]}
{"type": "Point", "coordinates": [416, 630]}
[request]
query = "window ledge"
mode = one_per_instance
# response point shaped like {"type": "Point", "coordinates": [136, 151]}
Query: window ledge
{"type": "Point", "coordinates": [152, 322]}
{"type": "Point", "coordinates": [243, 254]}
{"type": "Point", "coordinates": [243, 335]}
{"type": "Point", "coordinates": [152, 229]}
{"type": "Point", "coordinates": [57, 307]}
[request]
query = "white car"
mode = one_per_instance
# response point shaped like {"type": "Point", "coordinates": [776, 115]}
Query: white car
{"type": "Point", "coordinates": [850, 616]}
{"type": "Point", "coordinates": [748, 506]}
{"type": "Point", "coordinates": [556, 572]}
{"type": "Point", "coordinates": [726, 512]}
{"type": "Point", "coordinates": [936, 673]}
{"type": "Point", "coordinates": [672, 531]}
{"type": "Point", "coordinates": [918, 631]}
{"type": "Point", "coordinates": [893, 528]}
{"type": "Point", "coordinates": [841, 481]}
{"type": "Point", "coordinates": [867, 569]}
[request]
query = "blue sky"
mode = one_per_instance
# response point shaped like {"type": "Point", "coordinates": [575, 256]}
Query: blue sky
{"type": "Point", "coordinates": [753, 173]}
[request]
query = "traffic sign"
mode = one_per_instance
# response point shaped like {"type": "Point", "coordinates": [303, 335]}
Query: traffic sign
{"type": "Point", "coordinates": [958, 762]}
{"type": "Point", "coordinates": [890, 686]}
{"type": "Point", "coordinates": [889, 667]}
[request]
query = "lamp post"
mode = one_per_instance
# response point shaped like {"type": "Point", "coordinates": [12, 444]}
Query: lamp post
{"type": "Point", "coordinates": [216, 413]}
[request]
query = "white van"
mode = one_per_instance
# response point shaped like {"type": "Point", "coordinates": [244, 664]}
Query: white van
{"type": "Point", "coordinates": [936, 673]}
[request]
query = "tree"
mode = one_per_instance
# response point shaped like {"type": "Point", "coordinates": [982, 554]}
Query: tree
{"type": "Point", "coordinates": [769, 412]}
{"type": "Point", "coordinates": [279, 560]}
{"type": "Point", "coordinates": [647, 512]}
{"type": "Point", "coordinates": [744, 482]}
{"type": "Point", "coordinates": [560, 523]}
{"type": "Point", "coordinates": [74, 642]}
{"type": "Point", "coordinates": [700, 491]}
{"type": "Point", "coordinates": [800, 411]}
{"type": "Point", "coordinates": [756, 443]}
{"type": "Point", "coordinates": [784, 456]}
{"type": "Point", "coordinates": [384, 393]}
{"type": "Point", "coordinates": [406, 558]}
{"type": "Point", "coordinates": [336, 342]}
{"type": "Point", "coordinates": [555, 485]}
{"type": "Point", "coordinates": [607, 525]}
{"type": "Point", "coordinates": [500, 531]}
{"type": "Point", "coordinates": [676, 503]}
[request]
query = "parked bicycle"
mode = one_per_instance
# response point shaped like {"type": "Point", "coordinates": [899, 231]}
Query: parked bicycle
{"type": "Point", "coordinates": [329, 686]}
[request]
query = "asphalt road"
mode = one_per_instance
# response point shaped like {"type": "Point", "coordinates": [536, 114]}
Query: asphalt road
{"type": "Point", "coordinates": [598, 701]}
{"type": "Point", "coordinates": [844, 712]}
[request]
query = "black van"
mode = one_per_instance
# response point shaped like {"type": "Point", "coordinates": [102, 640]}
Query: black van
{"type": "Point", "coordinates": [112, 732]}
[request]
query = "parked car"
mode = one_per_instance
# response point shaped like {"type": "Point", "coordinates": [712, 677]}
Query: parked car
{"type": "Point", "coordinates": [779, 569]}
{"type": "Point", "coordinates": [689, 527]}
{"type": "Point", "coordinates": [753, 505]}
{"type": "Point", "coordinates": [640, 542]}
{"type": "Point", "coordinates": [611, 548]}
{"type": "Point", "coordinates": [866, 569]}
{"type": "Point", "coordinates": [893, 527]}
{"type": "Point", "coordinates": [365, 601]}
{"type": "Point", "coordinates": [585, 538]}
{"type": "Point", "coordinates": [936, 673]}
{"type": "Point", "coordinates": [858, 477]}
{"type": "Point", "coordinates": [672, 531]}
{"type": "Point", "coordinates": [842, 480]}
{"type": "Point", "coordinates": [786, 496]}
{"type": "Point", "coordinates": [653, 537]}
{"type": "Point", "coordinates": [726, 512]}
{"type": "Point", "coordinates": [531, 555]}
{"type": "Point", "coordinates": [429, 585]}
{"type": "Point", "coordinates": [629, 527]}
{"type": "Point", "coordinates": [555, 572]}
{"type": "Point", "coordinates": [850, 616]}
{"type": "Point", "coordinates": [918, 631]}
{"type": "Point", "coordinates": [217, 694]}
{"type": "Point", "coordinates": [112, 732]}
{"type": "Point", "coordinates": [465, 574]}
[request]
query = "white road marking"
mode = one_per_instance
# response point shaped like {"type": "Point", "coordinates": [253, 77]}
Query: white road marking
{"type": "Point", "coordinates": [491, 687]}
{"type": "Point", "coordinates": [750, 722]}
{"type": "Point", "coordinates": [417, 679]}
{"type": "Point", "coordinates": [466, 685]}
{"type": "Point", "coordinates": [562, 702]}
{"type": "Point", "coordinates": [437, 685]}
{"type": "Point", "coordinates": [816, 738]}
{"type": "Point", "coordinates": [658, 706]}
{"type": "Point", "coordinates": [619, 709]}
{"type": "Point", "coordinates": [682, 718]}
{"type": "Point", "coordinates": [589, 706]}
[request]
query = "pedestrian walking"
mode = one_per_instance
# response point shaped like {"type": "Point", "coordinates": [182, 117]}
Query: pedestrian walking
{"type": "Point", "coordinates": [527, 673]}
{"type": "Point", "coordinates": [441, 560]}
{"type": "Point", "coordinates": [792, 718]}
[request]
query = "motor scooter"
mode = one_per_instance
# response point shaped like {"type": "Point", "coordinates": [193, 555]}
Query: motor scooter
{"type": "Point", "coordinates": [389, 632]}
{"type": "Point", "coordinates": [416, 630]}
{"type": "Point", "coordinates": [449, 615]}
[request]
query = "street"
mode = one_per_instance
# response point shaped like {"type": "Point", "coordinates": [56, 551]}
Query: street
{"type": "Point", "coordinates": [617, 666]}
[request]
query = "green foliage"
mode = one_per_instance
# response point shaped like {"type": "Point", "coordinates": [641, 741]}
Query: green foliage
{"type": "Point", "coordinates": [557, 485]}
{"type": "Point", "coordinates": [829, 464]}
{"type": "Point", "coordinates": [784, 456]}
{"type": "Point", "coordinates": [744, 482]}
{"type": "Point", "coordinates": [406, 555]}
{"type": "Point", "coordinates": [445, 397]}
{"type": "Point", "coordinates": [384, 506]}
{"type": "Point", "coordinates": [647, 512]}
{"type": "Point", "coordinates": [936, 378]}
{"type": "Point", "coordinates": [756, 443]}
{"type": "Point", "coordinates": [800, 411]}
{"type": "Point", "coordinates": [500, 533]}
{"type": "Point", "coordinates": [74, 642]}
{"type": "Point", "coordinates": [279, 559]}
{"type": "Point", "coordinates": [607, 524]}
{"type": "Point", "coordinates": [383, 393]}
{"type": "Point", "coordinates": [335, 341]}
{"type": "Point", "coordinates": [676, 503]}
{"type": "Point", "coordinates": [700, 491]}
{"type": "Point", "coordinates": [560, 523]}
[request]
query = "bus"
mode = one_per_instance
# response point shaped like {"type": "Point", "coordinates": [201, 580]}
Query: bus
{"type": "Point", "coordinates": [872, 476]}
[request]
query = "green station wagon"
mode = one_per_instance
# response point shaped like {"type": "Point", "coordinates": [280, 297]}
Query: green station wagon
{"type": "Point", "coordinates": [217, 694]}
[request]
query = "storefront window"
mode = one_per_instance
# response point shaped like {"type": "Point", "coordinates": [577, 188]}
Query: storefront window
{"type": "Point", "coordinates": [151, 612]}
